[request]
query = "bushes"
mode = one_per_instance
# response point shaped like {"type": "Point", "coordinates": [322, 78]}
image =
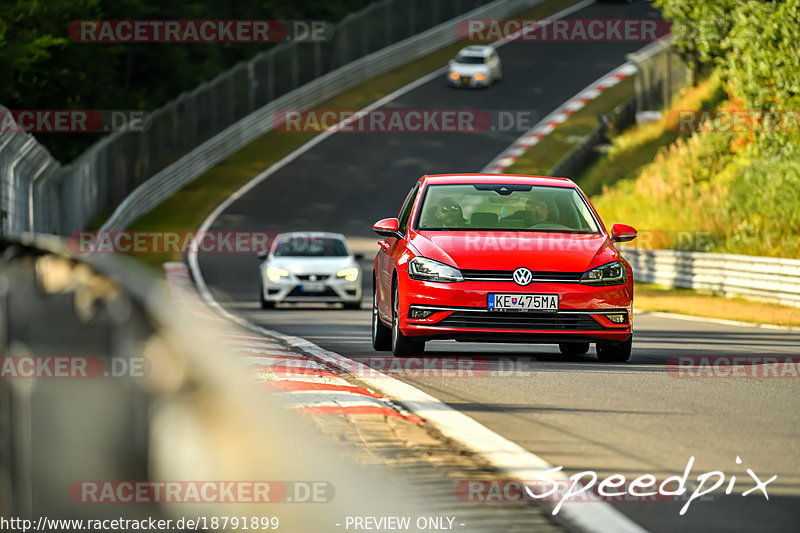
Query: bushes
{"type": "Point", "coordinates": [743, 187]}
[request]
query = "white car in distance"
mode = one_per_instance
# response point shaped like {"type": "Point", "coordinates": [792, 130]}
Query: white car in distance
{"type": "Point", "coordinates": [310, 267]}
{"type": "Point", "coordinates": [474, 66]}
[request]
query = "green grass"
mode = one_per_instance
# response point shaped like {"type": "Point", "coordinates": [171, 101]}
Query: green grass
{"type": "Point", "coordinates": [638, 145]}
{"type": "Point", "coordinates": [650, 297]}
{"type": "Point", "coordinates": [186, 209]}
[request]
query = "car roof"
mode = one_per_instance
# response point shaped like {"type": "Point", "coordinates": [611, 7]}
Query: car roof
{"type": "Point", "coordinates": [477, 50]}
{"type": "Point", "coordinates": [498, 178]}
{"type": "Point", "coordinates": [317, 234]}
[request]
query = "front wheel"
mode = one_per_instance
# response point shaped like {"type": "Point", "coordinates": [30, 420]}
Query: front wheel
{"type": "Point", "coordinates": [401, 345]}
{"type": "Point", "coordinates": [381, 335]}
{"type": "Point", "coordinates": [614, 351]}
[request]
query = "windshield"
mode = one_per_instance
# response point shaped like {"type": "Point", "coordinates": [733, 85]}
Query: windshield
{"type": "Point", "coordinates": [309, 246]}
{"type": "Point", "coordinates": [470, 60]}
{"type": "Point", "coordinates": [505, 207]}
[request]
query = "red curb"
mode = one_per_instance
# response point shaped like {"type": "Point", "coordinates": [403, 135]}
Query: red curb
{"type": "Point", "coordinates": [292, 386]}
{"type": "Point", "coordinates": [359, 410]}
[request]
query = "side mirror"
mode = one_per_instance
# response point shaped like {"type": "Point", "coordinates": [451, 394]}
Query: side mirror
{"type": "Point", "coordinates": [622, 233]}
{"type": "Point", "coordinates": [358, 257]}
{"type": "Point", "coordinates": [261, 254]}
{"type": "Point", "coordinates": [388, 227]}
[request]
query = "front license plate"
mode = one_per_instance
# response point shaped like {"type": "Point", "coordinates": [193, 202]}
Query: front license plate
{"type": "Point", "coordinates": [465, 80]}
{"type": "Point", "coordinates": [312, 287]}
{"type": "Point", "coordinates": [523, 302]}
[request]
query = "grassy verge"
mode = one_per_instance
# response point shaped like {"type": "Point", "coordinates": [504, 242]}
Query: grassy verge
{"type": "Point", "coordinates": [651, 297]}
{"type": "Point", "coordinates": [549, 151]}
{"type": "Point", "coordinates": [637, 146]}
{"type": "Point", "coordinates": [186, 209]}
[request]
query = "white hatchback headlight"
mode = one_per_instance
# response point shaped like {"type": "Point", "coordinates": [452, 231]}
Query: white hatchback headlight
{"type": "Point", "coordinates": [275, 274]}
{"type": "Point", "coordinates": [609, 274]}
{"type": "Point", "coordinates": [424, 269]}
{"type": "Point", "coordinates": [350, 274]}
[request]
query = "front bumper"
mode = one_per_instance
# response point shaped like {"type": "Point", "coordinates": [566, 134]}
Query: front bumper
{"type": "Point", "coordinates": [293, 289]}
{"type": "Point", "coordinates": [467, 81]}
{"type": "Point", "coordinates": [460, 311]}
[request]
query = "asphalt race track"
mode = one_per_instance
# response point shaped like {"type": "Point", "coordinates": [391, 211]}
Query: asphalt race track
{"type": "Point", "coordinates": [630, 419]}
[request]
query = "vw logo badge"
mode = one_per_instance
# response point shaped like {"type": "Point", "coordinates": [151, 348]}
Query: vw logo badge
{"type": "Point", "coordinates": [522, 276]}
{"type": "Point", "coordinates": [312, 277]}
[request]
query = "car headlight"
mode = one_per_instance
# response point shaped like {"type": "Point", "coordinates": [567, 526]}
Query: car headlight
{"type": "Point", "coordinates": [275, 274]}
{"type": "Point", "coordinates": [608, 274]}
{"type": "Point", "coordinates": [479, 77]}
{"type": "Point", "coordinates": [454, 75]}
{"type": "Point", "coordinates": [424, 269]}
{"type": "Point", "coordinates": [350, 274]}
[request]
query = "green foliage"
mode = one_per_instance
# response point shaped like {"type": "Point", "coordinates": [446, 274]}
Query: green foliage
{"type": "Point", "coordinates": [743, 186]}
{"type": "Point", "coordinates": [698, 29]}
{"type": "Point", "coordinates": [763, 205]}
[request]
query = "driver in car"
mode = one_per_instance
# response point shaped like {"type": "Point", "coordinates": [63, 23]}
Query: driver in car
{"type": "Point", "coordinates": [448, 214]}
{"type": "Point", "coordinates": [536, 211]}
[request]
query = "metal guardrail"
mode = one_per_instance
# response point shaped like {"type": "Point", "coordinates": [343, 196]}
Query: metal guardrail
{"type": "Point", "coordinates": [769, 279]}
{"type": "Point", "coordinates": [170, 400]}
{"type": "Point", "coordinates": [623, 116]}
{"type": "Point", "coordinates": [661, 74]}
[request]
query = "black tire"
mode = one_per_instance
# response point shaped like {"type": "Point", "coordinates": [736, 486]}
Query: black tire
{"type": "Point", "coordinates": [265, 304]}
{"type": "Point", "coordinates": [614, 351]}
{"type": "Point", "coordinates": [381, 335]}
{"type": "Point", "coordinates": [402, 346]}
{"type": "Point", "coordinates": [352, 305]}
{"type": "Point", "coordinates": [573, 348]}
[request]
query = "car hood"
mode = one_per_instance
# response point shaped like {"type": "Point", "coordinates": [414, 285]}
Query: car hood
{"type": "Point", "coordinates": [468, 70]}
{"type": "Point", "coordinates": [311, 265]}
{"type": "Point", "coordinates": [508, 250]}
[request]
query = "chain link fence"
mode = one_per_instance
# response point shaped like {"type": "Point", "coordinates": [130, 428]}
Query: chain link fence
{"type": "Point", "coordinates": [37, 194]}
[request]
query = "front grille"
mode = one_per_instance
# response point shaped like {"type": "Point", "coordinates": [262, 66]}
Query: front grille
{"type": "Point", "coordinates": [508, 275]}
{"type": "Point", "coordinates": [307, 277]}
{"type": "Point", "coordinates": [297, 292]}
{"type": "Point", "coordinates": [520, 320]}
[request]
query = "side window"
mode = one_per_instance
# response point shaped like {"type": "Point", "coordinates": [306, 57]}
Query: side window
{"type": "Point", "coordinates": [405, 211]}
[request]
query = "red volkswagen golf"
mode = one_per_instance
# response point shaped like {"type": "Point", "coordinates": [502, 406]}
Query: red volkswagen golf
{"type": "Point", "coordinates": [501, 258]}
